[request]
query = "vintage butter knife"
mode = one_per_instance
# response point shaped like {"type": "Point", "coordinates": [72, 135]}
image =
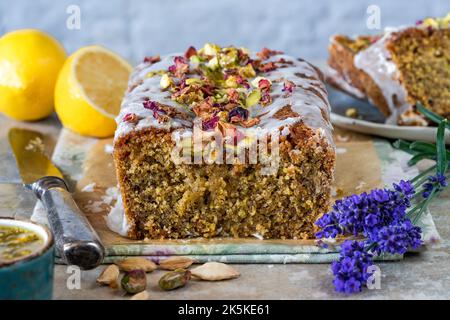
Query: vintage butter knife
{"type": "Point", "coordinates": [76, 241]}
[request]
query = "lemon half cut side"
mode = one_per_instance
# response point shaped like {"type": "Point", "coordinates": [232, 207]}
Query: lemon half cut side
{"type": "Point", "coordinates": [90, 89]}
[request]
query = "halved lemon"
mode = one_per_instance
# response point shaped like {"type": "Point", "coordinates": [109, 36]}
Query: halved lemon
{"type": "Point", "coordinates": [89, 90]}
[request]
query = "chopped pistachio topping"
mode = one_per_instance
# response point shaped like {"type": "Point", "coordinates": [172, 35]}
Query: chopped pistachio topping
{"type": "Point", "coordinates": [218, 84]}
{"type": "Point", "coordinates": [435, 23]}
{"type": "Point", "coordinates": [165, 81]}
{"type": "Point", "coordinates": [253, 98]}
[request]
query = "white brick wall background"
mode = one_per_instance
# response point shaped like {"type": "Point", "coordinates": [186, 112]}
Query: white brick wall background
{"type": "Point", "coordinates": [135, 28]}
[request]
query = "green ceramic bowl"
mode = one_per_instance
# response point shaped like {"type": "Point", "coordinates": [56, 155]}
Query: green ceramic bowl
{"type": "Point", "coordinates": [29, 277]}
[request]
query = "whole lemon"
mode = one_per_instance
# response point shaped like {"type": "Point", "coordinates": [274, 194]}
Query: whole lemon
{"type": "Point", "coordinates": [29, 64]}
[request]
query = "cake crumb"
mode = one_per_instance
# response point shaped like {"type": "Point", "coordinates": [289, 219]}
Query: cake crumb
{"type": "Point", "coordinates": [360, 185]}
{"type": "Point", "coordinates": [109, 148]}
{"type": "Point", "coordinates": [89, 187]}
{"type": "Point", "coordinates": [341, 138]}
{"type": "Point", "coordinates": [258, 236]}
{"type": "Point", "coordinates": [35, 145]}
{"type": "Point", "coordinates": [94, 206]}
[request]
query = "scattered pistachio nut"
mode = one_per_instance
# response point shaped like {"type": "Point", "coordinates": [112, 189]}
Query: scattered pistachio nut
{"type": "Point", "coordinates": [215, 271]}
{"type": "Point", "coordinates": [213, 64]}
{"type": "Point", "coordinates": [174, 263]}
{"type": "Point", "coordinates": [192, 81]}
{"type": "Point", "coordinates": [109, 276]}
{"type": "Point", "coordinates": [174, 279]}
{"type": "Point", "coordinates": [165, 81]}
{"type": "Point", "coordinates": [210, 49]}
{"type": "Point", "coordinates": [253, 98]}
{"type": "Point", "coordinates": [135, 263]}
{"type": "Point", "coordinates": [134, 281]}
{"type": "Point", "coordinates": [143, 295]}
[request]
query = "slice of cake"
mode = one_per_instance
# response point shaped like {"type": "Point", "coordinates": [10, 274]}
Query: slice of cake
{"type": "Point", "coordinates": [396, 69]}
{"type": "Point", "coordinates": [223, 142]}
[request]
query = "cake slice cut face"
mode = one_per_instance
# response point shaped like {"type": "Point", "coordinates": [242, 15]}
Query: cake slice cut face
{"type": "Point", "coordinates": [222, 142]}
{"type": "Point", "coordinates": [397, 69]}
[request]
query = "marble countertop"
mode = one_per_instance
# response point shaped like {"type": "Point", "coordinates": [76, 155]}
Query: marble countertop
{"type": "Point", "coordinates": [425, 275]}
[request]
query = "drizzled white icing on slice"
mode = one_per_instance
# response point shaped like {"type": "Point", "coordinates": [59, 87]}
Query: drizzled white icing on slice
{"type": "Point", "coordinates": [341, 82]}
{"type": "Point", "coordinates": [377, 63]}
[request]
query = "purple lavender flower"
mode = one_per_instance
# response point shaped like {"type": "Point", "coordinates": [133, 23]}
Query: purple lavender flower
{"type": "Point", "coordinates": [379, 216]}
{"type": "Point", "coordinates": [367, 213]}
{"type": "Point", "coordinates": [350, 271]}
{"type": "Point", "coordinates": [404, 187]}
{"type": "Point", "coordinates": [397, 238]}
{"type": "Point", "coordinates": [439, 181]}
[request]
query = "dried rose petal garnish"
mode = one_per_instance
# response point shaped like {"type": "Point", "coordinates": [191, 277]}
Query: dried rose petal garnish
{"type": "Point", "coordinates": [238, 114]}
{"type": "Point", "coordinates": [203, 109]}
{"type": "Point", "coordinates": [233, 96]}
{"type": "Point", "coordinates": [191, 51]}
{"type": "Point", "coordinates": [131, 118]}
{"type": "Point", "coordinates": [152, 59]}
{"type": "Point", "coordinates": [264, 85]}
{"type": "Point", "coordinates": [267, 67]}
{"type": "Point", "coordinates": [288, 86]}
{"type": "Point", "coordinates": [180, 67]}
{"type": "Point", "coordinates": [210, 124]}
{"type": "Point", "coordinates": [154, 106]}
{"type": "Point", "coordinates": [375, 39]}
{"type": "Point", "coordinates": [266, 99]}
{"type": "Point", "coordinates": [250, 122]}
{"type": "Point", "coordinates": [266, 53]}
{"type": "Point", "coordinates": [242, 82]}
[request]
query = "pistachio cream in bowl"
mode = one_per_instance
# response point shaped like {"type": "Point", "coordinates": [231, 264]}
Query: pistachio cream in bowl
{"type": "Point", "coordinates": [26, 260]}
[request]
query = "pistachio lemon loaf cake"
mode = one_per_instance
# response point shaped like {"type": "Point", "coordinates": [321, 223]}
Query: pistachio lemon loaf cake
{"type": "Point", "coordinates": [224, 142]}
{"type": "Point", "coordinates": [396, 69]}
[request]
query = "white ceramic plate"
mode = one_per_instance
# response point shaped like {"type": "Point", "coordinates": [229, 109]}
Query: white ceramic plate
{"type": "Point", "coordinates": [372, 121]}
{"type": "Point", "coordinates": [387, 131]}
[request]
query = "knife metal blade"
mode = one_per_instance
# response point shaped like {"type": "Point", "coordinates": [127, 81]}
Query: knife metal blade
{"type": "Point", "coordinates": [76, 241]}
{"type": "Point", "coordinates": [29, 152]}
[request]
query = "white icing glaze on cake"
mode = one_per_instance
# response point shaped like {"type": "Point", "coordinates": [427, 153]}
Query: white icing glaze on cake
{"type": "Point", "coordinates": [341, 82]}
{"type": "Point", "coordinates": [116, 219]}
{"type": "Point", "coordinates": [308, 100]}
{"type": "Point", "coordinates": [377, 63]}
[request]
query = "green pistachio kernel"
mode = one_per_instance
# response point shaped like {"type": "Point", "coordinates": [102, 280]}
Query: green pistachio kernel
{"type": "Point", "coordinates": [174, 279]}
{"type": "Point", "coordinates": [213, 64]}
{"type": "Point", "coordinates": [210, 49]}
{"type": "Point", "coordinates": [193, 80]}
{"type": "Point", "coordinates": [430, 22]}
{"type": "Point", "coordinates": [155, 73]}
{"type": "Point", "coordinates": [445, 21]}
{"type": "Point", "coordinates": [247, 71]}
{"type": "Point", "coordinates": [228, 58]}
{"type": "Point", "coordinates": [253, 98]}
{"type": "Point", "coordinates": [231, 82]}
{"type": "Point", "coordinates": [134, 281]}
{"type": "Point", "coordinates": [195, 60]}
{"type": "Point", "coordinates": [165, 81]}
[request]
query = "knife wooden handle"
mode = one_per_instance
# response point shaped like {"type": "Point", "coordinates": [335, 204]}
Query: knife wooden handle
{"type": "Point", "coordinates": [76, 241]}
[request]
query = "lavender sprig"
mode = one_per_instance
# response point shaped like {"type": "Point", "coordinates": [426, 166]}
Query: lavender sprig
{"type": "Point", "coordinates": [386, 218]}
